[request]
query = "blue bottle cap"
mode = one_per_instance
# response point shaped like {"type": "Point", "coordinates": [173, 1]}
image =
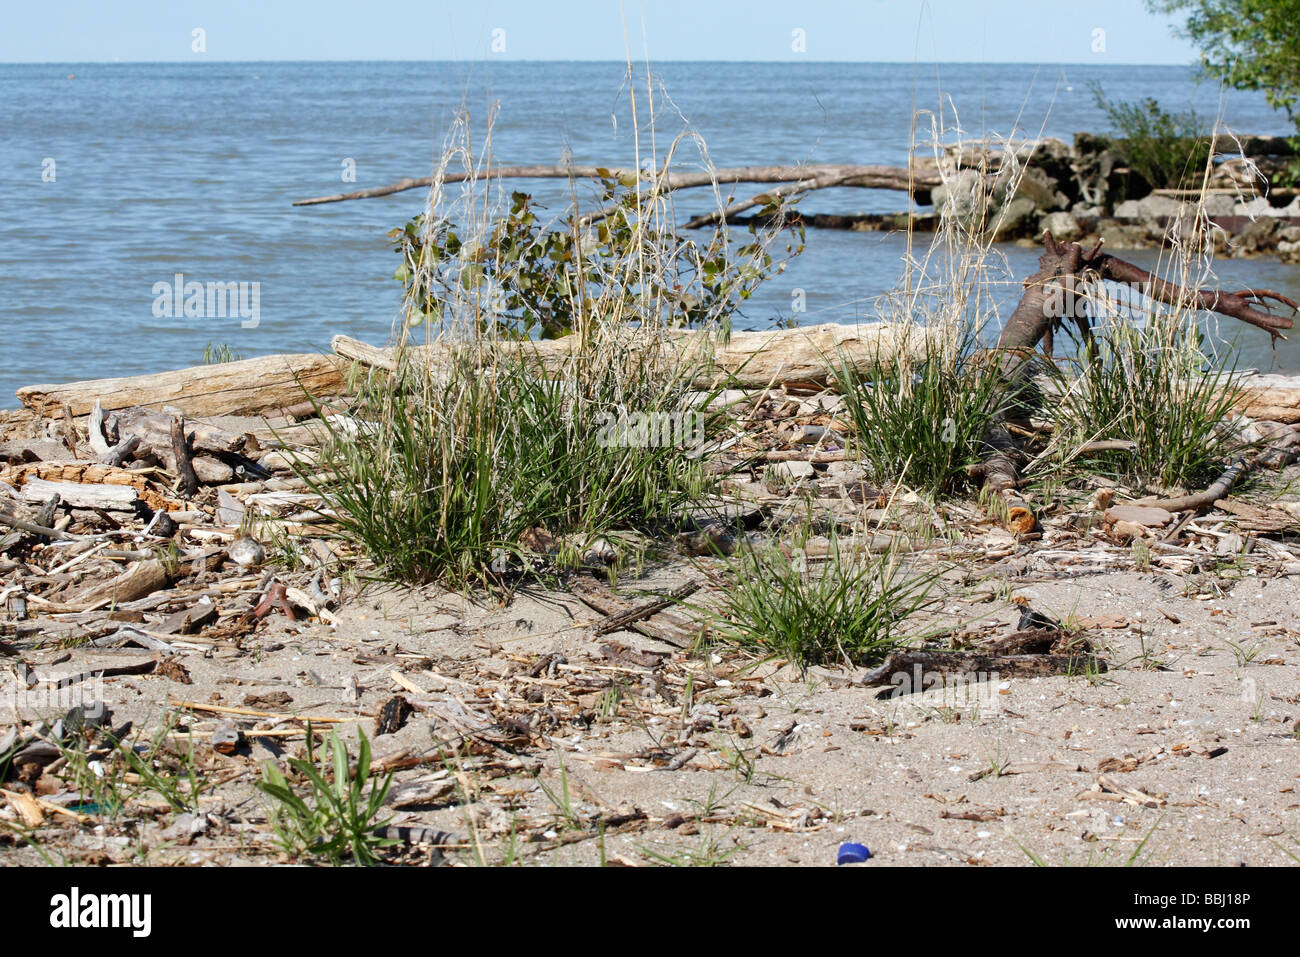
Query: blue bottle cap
{"type": "Point", "coordinates": [853, 854]}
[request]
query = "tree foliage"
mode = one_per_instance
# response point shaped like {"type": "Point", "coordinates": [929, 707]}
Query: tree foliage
{"type": "Point", "coordinates": [532, 278]}
{"type": "Point", "coordinates": [1249, 44]}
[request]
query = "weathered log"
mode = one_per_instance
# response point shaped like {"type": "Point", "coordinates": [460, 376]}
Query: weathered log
{"type": "Point", "coordinates": [155, 430]}
{"type": "Point", "coordinates": [808, 354]}
{"type": "Point", "coordinates": [843, 174]}
{"type": "Point", "coordinates": [78, 495]}
{"type": "Point", "coordinates": [87, 473]}
{"type": "Point", "coordinates": [246, 386]}
{"type": "Point", "coordinates": [143, 578]}
{"type": "Point", "coordinates": [1274, 398]}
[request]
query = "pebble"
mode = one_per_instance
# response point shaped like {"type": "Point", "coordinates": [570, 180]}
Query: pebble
{"type": "Point", "coordinates": [246, 551]}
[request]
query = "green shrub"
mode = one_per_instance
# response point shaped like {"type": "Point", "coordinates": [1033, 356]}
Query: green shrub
{"type": "Point", "coordinates": [1169, 150]}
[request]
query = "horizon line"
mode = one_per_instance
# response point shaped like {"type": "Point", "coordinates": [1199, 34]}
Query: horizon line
{"type": "Point", "coordinates": [487, 60]}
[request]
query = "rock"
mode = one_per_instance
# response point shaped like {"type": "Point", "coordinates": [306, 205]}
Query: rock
{"type": "Point", "coordinates": [1149, 208]}
{"type": "Point", "coordinates": [246, 551]}
{"type": "Point", "coordinates": [1012, 218]}
{"type": "Point", "coordinates": [1259, 206]}
{"type": "Point", "coordinates": [18, 451]}
{"type": "Point", "coordinates": [963, 197]}
{"type": "Point", "coordinates": [1115, 235]}
{"type": "Point", "coordinates": [282, 460]}
{"type": "Point", "coordinates": [1220, 204]}
{"type": "Point", "coordinates": [1040, 189]}
{"type": "Point", "coordinates": [791, 471]}
{"type": "Point", "coordinates": [1062, 226]}
{"type": "Point", "coordinates": [212, 471]}
{"type": "Point", "coordinates": [1256, 237]}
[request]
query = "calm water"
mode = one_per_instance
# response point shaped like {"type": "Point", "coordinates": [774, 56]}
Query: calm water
{"type": "Point", "coordinates": [162, 169]}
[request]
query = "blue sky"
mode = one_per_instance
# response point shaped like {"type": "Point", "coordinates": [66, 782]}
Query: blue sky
{"type": "Point", "coordinates": [862, 30]}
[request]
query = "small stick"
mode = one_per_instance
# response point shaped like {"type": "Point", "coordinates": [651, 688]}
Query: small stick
{"type": "Point", "coordinates": [277, 715]}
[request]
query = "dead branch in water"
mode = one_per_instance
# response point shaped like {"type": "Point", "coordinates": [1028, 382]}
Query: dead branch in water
{"type": "Point", "coordinates": [808, 177]}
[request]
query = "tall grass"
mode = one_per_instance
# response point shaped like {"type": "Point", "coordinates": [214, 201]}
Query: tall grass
{"type": "Point", "coordinates": [847, 607]}
{"type": "Point", "coordinates": [1151, 373]}
{"type": "Point", "coordinates": [455, 462]}
{"type": "Point", "coordinates": [472, 440]}
{"type": "Point", "coordinates": [1149, 384]}
{"type": "Point", "coordinates": [920, 420]}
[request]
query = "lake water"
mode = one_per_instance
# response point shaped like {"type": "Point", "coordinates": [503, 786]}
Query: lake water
{"type": "Point", "coordinates": [120, 176]}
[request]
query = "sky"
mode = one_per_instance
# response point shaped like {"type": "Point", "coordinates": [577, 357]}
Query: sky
{"type": "Point", "coordinates": [991, 31]}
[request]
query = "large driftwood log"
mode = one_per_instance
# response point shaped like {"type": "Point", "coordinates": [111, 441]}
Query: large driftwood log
{"type": "Point", "coordinates": [748, 360]}
{"type": "Point", "coordinates": [816, 176]}
{"type": "Point", "coordinates": [226, 388]}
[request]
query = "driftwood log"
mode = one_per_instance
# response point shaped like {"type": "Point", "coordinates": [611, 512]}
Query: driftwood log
{"type": "Point", "coordinates": [246, 386]}
{"type": "Point", "coordinates": [806, 355]}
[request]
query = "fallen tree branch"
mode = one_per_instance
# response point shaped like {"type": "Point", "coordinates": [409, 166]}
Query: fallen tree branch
{"type": "Point", "coordinates": [848, 174]}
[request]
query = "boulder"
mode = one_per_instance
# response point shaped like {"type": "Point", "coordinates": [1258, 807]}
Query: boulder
{"type": "Point", "coordinates": [1148, 208]}
{"type": "Point", "coordinates": [1061, 225]}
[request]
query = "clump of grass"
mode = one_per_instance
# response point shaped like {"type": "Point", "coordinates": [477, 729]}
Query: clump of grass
{"type": "Point", "coordinates": [450, 465]}
{"type": "Point", "coordinates": [1147, 384]}
{"type": "Point", "coordinates": [111, 774]}
{"type": "Point", "coordinates": [342, 812]}
{"type": "Point", "coordinates": [473, 442]}
{"type": "Point", "coordinates": [215, 353]}
{"type": "Point", "coordinates": [922, 419]}
{"type": "Point", "coordinates": [848, 607]}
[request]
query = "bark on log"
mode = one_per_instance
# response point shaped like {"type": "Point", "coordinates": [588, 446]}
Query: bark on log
{"type": "Point", "coordinates": [246, 386]}
{"type": "Point", "coordinates": [843, 174]}
{"type": "Point", "coordinates": [809, 354]}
